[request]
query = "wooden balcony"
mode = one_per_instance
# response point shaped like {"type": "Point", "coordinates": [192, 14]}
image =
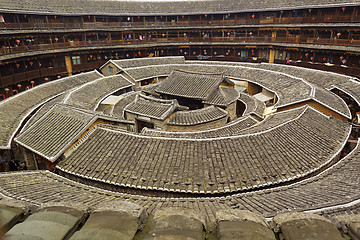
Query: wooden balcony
{"type": "Point", "coordinates": [30, 75]}
{"type": "Point", "coordinates": [186, 22]}
{"type": "Point", "coordinates": [236, 39]}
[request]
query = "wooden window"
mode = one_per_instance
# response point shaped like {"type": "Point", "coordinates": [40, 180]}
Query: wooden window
{"type": "Point", "coordinates": [76, 60]}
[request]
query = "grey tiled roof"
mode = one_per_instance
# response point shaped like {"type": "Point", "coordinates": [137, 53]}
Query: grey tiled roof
{"type": "Point", "coordinates": [238, 127]}
{"type": "Point", "coordinates": [89, 95]}
{"type": "Point", "coordinates": [222, 97]}
{"type": "Point", "coordinates": [290, 88]}
{"type": "Point", "coordinates": [109, 7]}
{"type": "Point", "coordinates": [147, 61]}
{"type": "Point", "coordinates": [43, 109]}
{"type": "Point", "coordinates": [350, 87]}
{"type": "Point", "coordinates": [150, 89]}
{"type": "Point", "coordinates": [232, 128]}
{"type": "Point", "coordinates": [295, 85]}
{"type": "Point", "coordinates": [152, 107]}
{"type": "Point", "coordinates": [134, 166]}
{"type": "Point", "coordinates": [190, 84]}
{"type": "Point", "coordinates": [145, 72]}
{"type": "Point", "coordinates": [24, 103]}
{"type": "Point", "coordinates": [118, 109]}
{"type": "Point", "coordinates": [332, 188]}
{"type": "Point", "coordinates": [194, 117]}
{"type": "Point", "coordinates": [253, 105]}
{"type": "Point", "coordinates": [320, 78]}
{"type": "Point", "coordinates": [55, 131]}
{"type": "Point", "coordinates": [284, 148]}
{"type": "Point", "coordinates": [275, 120]}
{"type": "Point", "coordinates": [332, 100]}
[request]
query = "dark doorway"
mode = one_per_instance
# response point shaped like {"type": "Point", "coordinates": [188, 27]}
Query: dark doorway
{"type": "Point", "coordinates": [140, 124]}
{"type": "Point", "coordinates": [240, 108]}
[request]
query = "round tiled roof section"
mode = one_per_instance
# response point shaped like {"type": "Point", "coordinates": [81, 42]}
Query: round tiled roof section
{"type": "Point", "coordinates": [228, 164]}
{"type": "Point", "coordinates": [160, 150]}
{"type": "Point", "coordinates": [283, 162]}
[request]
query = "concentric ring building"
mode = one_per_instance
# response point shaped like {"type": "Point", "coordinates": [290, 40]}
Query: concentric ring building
{"type": "Point", "coordinates": [180, 120]}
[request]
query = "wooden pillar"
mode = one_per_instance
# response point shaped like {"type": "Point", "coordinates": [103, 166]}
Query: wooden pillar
{"type": "Point", "coordinates": [68, 65]}
{"type": "Point", "coordinates": [273, 36]}
{"type": "Point", "coordinates": [272, 56]}
{"type": "Point", "coordinates": [331, 36]}
{"type": "Point", "coordinates": [354, 13]}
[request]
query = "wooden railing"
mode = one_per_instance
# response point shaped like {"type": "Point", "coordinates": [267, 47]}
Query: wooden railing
{"type": "Point", "coordinates": [29, 75]}
{"type": "Point", "coordinates": [38, 47]}
{"type": "Point", "coordinates": [207, 22]}
{"type": "Point", "coordinates": [46, 72]}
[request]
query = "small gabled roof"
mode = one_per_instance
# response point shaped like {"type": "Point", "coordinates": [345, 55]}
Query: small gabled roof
{"type": "Point", "coordinates": [57, 129]}
{"type": "Point", "coordinates": [222, 97]}
{"type": "Point", "coordinates": [190, 84]}
{"type": "Point", "coordinates": [152, 107]}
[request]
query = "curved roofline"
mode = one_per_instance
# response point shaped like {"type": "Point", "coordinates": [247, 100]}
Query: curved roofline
{"type": "Point", "coordinates": [213, 197]}
{"type": "Point", "coordinates": [154, 13]}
